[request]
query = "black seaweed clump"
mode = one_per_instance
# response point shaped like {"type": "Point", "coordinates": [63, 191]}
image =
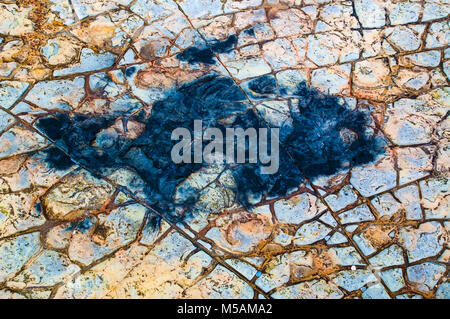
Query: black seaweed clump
{"type": "Point", "coordinates": [210, 98]}
{"type": "Point", "coordinates": [325, 136]}
{"type": "Point", "coordinates": [328, 136]}
{"type": "Point", "coordinates": [206, 55]}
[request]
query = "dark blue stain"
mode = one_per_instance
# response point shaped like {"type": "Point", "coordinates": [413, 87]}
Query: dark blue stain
{"type": "Point", "coordinates": [58, 158]}
{"type": "Point", "coordinates": [263, 85]}
{"type": "Point", "coordinates": [325, 136]}
{"type": "Point", "coordinates": [224, 46]}
{"type": "Point", "coordinates": [38, 207]}
{"type": "Point", "coordinates": [250, 32]}
{"type": "Point", "coordinates": [206, 55]}
{"type": "Point", "coordinates": [195, 55]}
{"type": "Point", "coordinates": [83, 225]}
{"type": "Point", "coordinates": [130, 71]}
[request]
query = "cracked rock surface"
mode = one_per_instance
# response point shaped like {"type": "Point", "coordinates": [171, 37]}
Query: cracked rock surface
{"type": "Point", "coordinates": [85, 82]}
